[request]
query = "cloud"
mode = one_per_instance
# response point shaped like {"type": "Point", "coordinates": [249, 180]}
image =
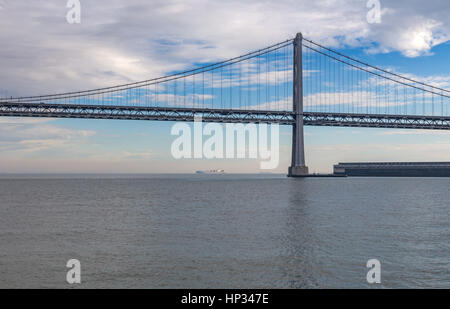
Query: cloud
{"type": "Point", "coordinates": [18, 120]}
{"type": "Point", "coordinates": [414, 132]}
{"type": "Point", "coordinates": [123, 156]}
{"type": "Point", "coordinates": [132, 40]}
{"type": "Point", "coordinates": [411, 27]}
{"type": "Point", "coordinates": [33, 135]}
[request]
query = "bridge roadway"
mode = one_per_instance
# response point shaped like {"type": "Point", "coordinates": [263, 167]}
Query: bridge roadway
{"type": "Point", "coordinates": [11, 109]}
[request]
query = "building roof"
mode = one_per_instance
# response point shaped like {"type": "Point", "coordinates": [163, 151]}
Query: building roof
{"type": "Point", "coordinates": [397, 164]}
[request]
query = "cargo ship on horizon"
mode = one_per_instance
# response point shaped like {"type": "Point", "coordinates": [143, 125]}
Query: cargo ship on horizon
{"type": "Point", "coordinates": [217, 171]}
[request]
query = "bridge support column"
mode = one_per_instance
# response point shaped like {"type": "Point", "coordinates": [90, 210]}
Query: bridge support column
{"type": "Point", "coordinates": [298, 167]}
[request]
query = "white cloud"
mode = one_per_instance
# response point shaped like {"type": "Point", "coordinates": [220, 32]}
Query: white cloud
{"type": "Point", "coordinates": [122, 156]}
{"type": "Point", "coordinates": [411, 27]}
{"type": "Point", "coordinates": [27, 135]}
{"type": "Point", "coordinates": [414, 132]}
{"type": "Point", "coordinates": [132, 40]}
{"type": "Point", "coordinates": [18, 120]}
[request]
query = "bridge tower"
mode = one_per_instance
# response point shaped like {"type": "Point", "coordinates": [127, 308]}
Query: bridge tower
{"type": "Point", "coordinates": [298, 167]}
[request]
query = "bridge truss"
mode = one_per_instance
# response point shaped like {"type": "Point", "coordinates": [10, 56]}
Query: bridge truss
{"type": "Point", "coordinates": [222, 116]}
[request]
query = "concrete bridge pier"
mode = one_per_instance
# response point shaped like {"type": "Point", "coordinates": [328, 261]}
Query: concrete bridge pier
{"type": "Point", "coordinates": [298, 167]}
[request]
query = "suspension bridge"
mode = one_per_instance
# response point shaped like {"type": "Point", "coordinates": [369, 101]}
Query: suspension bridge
{"type": "Point", "coordinates": [296, 82]}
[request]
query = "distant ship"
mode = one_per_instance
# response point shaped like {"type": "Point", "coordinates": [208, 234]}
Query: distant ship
{"type": "Point", "coordinates": [219, 171]}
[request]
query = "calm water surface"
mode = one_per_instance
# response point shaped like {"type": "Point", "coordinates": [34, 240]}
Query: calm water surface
{"type": "Point", "coordinates": [223, 231]}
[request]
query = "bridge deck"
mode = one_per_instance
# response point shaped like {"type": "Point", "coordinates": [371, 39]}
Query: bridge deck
{"type": "Point", "coordinates": [222, 115]}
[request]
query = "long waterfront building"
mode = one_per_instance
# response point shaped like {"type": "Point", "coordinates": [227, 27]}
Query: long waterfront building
{"type": "Point", "coordinates": [394, 169]}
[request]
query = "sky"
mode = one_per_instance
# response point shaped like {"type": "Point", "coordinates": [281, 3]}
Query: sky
{"type": "Point", "coordinates": [127, 41]}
